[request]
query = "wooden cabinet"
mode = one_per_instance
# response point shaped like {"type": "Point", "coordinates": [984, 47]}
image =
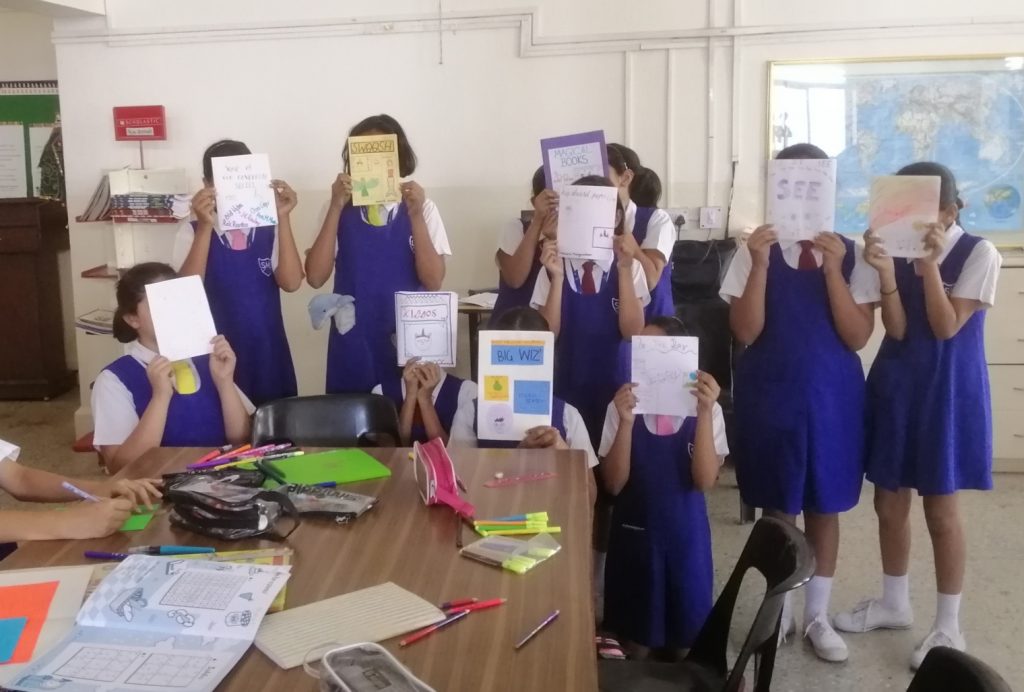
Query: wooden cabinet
{"type": "Point", "coordinates": [32, 363]}
{"type": "Point", "coordinates": [1004, 344]}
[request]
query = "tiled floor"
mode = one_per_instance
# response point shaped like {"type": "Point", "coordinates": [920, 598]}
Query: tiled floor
{"type": "Point", "coordinates": [993, 605]}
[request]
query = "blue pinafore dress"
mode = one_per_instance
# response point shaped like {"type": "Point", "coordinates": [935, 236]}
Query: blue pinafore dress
{"type": "Point", "coordinates": [799, 400]}
{"type": "Point", "coordinates": [587, 349]}
{"type": "Point", "coordinates": [659, 575]}
{"type": "Point", "coordinates": [446, 404]}
{"type": "Point", "coordinates": [193, 420]}
{"type": "Point", "coordinates": [509, 297]}
{"type": "Point", "coordinates": [246, 304]}
{"type": "Point", "coordinates": [373, 262]}
{"type": "Point", "coordinates": [661, 304]}
{"type": "Point", "coordinates": [929, 423]}
{"type": "Point", "coordinates": [557, 422]}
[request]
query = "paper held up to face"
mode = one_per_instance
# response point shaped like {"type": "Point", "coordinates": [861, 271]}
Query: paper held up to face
{"type": "Point", "coordinates": [569, 158]}
{"type": "Point", "coordinates": [801, 197]}
{"type": "Point", "coordinates": [426, 326]}
{"type": "Point", "coordinates": [586, 222]}
{"type": "Point", "coordinates": [902, 206]}
{"type": "Point", "coordinates": [375, 170]}
{"type": "Point", "coordinates": [245, 198]}
{"type": "Point", "coordinates": [664, 369]}
{"type": "Point", "coordinates": [515, 390]}
{"type": "Point", "coordinates": [181, 318]}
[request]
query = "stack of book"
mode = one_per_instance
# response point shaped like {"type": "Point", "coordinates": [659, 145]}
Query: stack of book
{"type": "Point", "coordinates": [96, 322]}
{"type": "Point", "coordinates": [148, 208]}
{"type": "Point", "coordinates": [133, 195]}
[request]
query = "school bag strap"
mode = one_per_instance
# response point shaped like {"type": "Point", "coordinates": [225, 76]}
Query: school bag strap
{"type": "Point", "coordinates": [435, 476]}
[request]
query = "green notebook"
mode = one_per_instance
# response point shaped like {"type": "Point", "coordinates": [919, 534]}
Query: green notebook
{"type": "Point", "coordinates": [339, 465]}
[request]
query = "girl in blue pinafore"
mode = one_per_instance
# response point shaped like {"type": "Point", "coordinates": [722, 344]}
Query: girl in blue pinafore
{"type": "Point", "coordinates": [651, 228]}
{"type": "Point", "coordinates": [929, 410]}
{"type": "Point", "coordinates": [135, 402]}
{"type": "Point", "coordinates": [244, 271]}
{"type": "Point", "coordinates": [426, 398]}
{"type": "Point", "coordinates": [518, 254]}
{"type": "Point", "coordinates": [804, 310]}
{"type": "Point", "coordinates": [659, 576]}
{"type": "Point", "coordinates": [374, 251]}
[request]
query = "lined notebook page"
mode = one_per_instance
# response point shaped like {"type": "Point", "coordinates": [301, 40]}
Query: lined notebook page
{"type": "Point", "coordinates": [368, 615]}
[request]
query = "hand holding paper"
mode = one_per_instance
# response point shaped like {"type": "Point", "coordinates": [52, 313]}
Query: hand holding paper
{"type": "Point", "coordinates": [375, 170]}
{"type": "Point", "coordinates": [902, 207]}
{"type": "Point", "coordinates": [664, 369]}
{"type": "Point", "coordinates": [181, 317]}
{"type": "Point", "coordinates": [586, 222]}
{"type": "Point", "coordinates": [245, 196]}
{"type": "Point", "coordinates": [426, 326]}
{"type": "Point", "coordinates": [801, 197]}
{"type": "Point", "coordinates": [516, 372]}
{"type": "Point", "coordinates": [569, 158]}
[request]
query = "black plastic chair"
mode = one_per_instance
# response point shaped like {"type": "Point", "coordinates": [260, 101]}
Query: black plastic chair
{"type": "Point", "coordinates": [781, 553]}
{"type": "Point", "coordinates": [328, 420]}
{"type": "Point", "coordinates": [949, 670]}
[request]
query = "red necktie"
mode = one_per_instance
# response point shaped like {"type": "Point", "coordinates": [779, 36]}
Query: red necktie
{"type": "Point", "coordinates": [807, 261]}
{"type": "Point", "coordinates": [587, 284]}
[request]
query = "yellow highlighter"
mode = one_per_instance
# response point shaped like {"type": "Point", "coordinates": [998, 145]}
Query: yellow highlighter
{"type": "Point", "coordinates": [185, 378]}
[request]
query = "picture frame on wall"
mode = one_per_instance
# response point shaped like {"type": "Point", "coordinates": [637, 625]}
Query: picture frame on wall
{"type": "Point", "coordinates": [875, 116]}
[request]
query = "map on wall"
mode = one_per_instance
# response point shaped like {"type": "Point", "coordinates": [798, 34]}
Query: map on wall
{"type": "Point", "coordinates": [875, 118]}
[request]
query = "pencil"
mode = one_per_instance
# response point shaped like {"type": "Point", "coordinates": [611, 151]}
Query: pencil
{"type": "Point", "coordinates": [427, 631]}
{"type": "Point", "coordinates": [536, 630]}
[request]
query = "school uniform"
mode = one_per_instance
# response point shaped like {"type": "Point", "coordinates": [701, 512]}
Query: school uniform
{"type": "Point", "coordinates": [929, 423]}
{"type": "Point", "coordinates": [587, 348]}
{"type": "Point", "coordinates": [8, 453]}
{"type": "Point", "coordinates": [653, 230]}
{"type": "Point", "coordinates": [798, 389]}
{"type": "Point", "coordinates": [564, 418]}
{"type": "Point", "coordinates": [372, 263]}
{"type": "Point", "coordinates": [449, 394]}
{"type": "Point", "coordinates": [245, 301]}
{"type": "Point", "coordinates": [508, 297]}
{"type": "Point", "coordinates": [122, 391]}
{"type": "Point", "coordinates": [659, 576]}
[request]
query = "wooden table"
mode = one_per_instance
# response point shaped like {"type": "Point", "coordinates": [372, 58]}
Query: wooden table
{"type": "Point", "coordinates": [403, 541]}
{"type": "Point", "coordinates": [474, 313]}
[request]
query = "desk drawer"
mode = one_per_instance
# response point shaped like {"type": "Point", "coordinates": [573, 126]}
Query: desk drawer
{"type": "Point", "coordinates": [17, 240]}
{"type": "Point", "coordinates": [1004, 324]}
{"type": "Point", "coordinates": [1008, 434]}
{"type": "Point", "coordinates": [1007, 385]}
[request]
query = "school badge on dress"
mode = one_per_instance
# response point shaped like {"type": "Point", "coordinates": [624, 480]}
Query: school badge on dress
{"type": "Point", "coordinates": [615, 304]}
{"type": "Point", "coordinates": [266, 266]}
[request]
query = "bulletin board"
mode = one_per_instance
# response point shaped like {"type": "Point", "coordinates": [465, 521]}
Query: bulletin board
{"type": "Point", "coordinates": [28, 113]}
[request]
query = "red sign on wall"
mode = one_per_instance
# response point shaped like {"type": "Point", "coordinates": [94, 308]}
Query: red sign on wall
{"type": "Point", "coordinates": [139, 123]}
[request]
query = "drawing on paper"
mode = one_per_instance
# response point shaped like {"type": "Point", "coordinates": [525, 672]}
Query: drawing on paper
{"type": "Point", "coordinates": [126, 602]}
{"type": "Point", "coordinates": [204, 589]}
{"type": "Point", "coordinates": [43, 682]}
{"type": "Point", "coordinates": [569, 158]}
{"type": "Point", "coordinates": [240, 618]}
{"type": "Point", "coordinates": [664, 369]}
{"type": "Point", "coordinates": [168, 670]}
{"type": "Point", "coordinates": [182, 617]}
{"type": "Point", "coordinates": [245, 198]}
{"type": "Point", "coordinates": [373, 165]}
{"type": "Point", "coordinates": [496, 388]}
{"type": "Point", "coordinates": [175, 567]}
{"type": "Point", "coordinates": [425, 327]}
{"type": "Point", "coordinates": [902, 206]}
{"type": "Point", "coordinates": [100, 664]}
{"type": "Point", "coordinates": [801, 197]}
{"type": "Point", "coordinates": [499, 416]}
{"type": "Point", "coordinates": [586, 222]}
{"type": "Point", "coordinates": [427, 340]}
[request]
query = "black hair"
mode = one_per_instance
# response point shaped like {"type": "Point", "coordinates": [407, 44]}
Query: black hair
{"type": "Point", "coordinates": [645, 189]}
{"type": "Point", "coordinates": [802, 151]}
{"type": "Point", "coordinates": [225, 147]}
{"type": "Point", "coordinates": [601, 181]}
{"type": "Point", "coordinates": [672, 326]}
{"type": "Point", "coordinates": [386, 124]}
{"type": "Point", "coordinates": [521, 319]}
{"type": "Point", "coordinates": [539, 181]}
{"type": "Point", "coordinates": [622, 158]}
{"type": "Point", "coordinates": [948, 193]}
{"type": "Point", "coordinates": [131, 290]}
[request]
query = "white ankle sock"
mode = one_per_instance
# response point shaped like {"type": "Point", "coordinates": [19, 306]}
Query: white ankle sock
{"type": "Point", "coordinates": [816, 597]}
{"type": "Point", "coordinates": [896, 592]}
{"type": "Point", "coordinates": [947, 613]}
{"type": "Point", "coordinates": [599, 561]}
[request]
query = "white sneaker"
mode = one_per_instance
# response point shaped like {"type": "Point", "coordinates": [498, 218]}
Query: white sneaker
{"type": "Point", "coordinates": [828, 645]}
{"type": "Point", "coordinates": [872, 615]}
{"type": "Point", "coordinates": [936, 638]}
{"type": "Point", "coordinates": [787, 625]}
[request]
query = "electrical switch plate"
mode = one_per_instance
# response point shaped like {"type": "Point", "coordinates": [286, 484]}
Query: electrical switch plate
{"type": "Point", "coordinates": [711, 218]}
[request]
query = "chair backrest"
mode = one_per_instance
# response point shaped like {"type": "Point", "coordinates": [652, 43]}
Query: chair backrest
{"type": "Point", "coordinates": [781, 553]}
{"type": "Point", "coordinates": [328, 420]}
{"type": "Point", "coordinates": [948, 669]}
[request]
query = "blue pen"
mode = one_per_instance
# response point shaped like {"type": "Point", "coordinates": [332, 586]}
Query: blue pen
{"type": "Point", "coordinates": [169, 550]}
{"type": "Point", "coordinates": [327, 484]}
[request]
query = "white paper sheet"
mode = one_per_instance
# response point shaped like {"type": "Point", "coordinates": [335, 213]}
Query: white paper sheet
{"type": "Point", "coordinates": [515, 383]}
{"type": "Point", "coordinates": [586, 222]}
{"type": "Point", "coordinates": [38, 136]}
{"type": "Point", "coordinates": [13, 181]}
{"type": "Point", "coordinates": [181, 317]}
{"type": "Point", "coordinates": [245, 198]}
{"type": "Point", "coordinates": [901, 207]}
{"type": "Point", "coordinates": [801, 197]}
{"type": "Point", "coordinates": [426, 326]}
{"type": "Point", "coordinates": [664, 368]}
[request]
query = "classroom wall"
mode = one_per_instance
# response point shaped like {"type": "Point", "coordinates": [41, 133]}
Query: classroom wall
{"type": "Point", "coordinates": [685, 83]}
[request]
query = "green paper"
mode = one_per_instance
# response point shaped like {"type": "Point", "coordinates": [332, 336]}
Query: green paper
{"type": "Point", "coordinates": [137, 522]}
{"type": "Point", "coordinates": [339, 465]}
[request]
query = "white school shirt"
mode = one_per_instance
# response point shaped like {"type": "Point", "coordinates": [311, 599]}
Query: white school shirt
{"type": "Point", "coordinates": [861, 278]}
{"type": "Point", "coordinates": [185, 236]}
{"type": "Point", "coordinates": [542, 288]}
{"type": "Point", "coordinates": [9, 451]}
{"type": "Point", "coordinates": [431, 216]}
{"type": "Point", "coordinates": [467, 392]}
{"type": "Point", "coordinates": [661, 232]}
{"type": "Point", "coordinates": [977, 280]}
{"type": "Point", "coordinates": [113, 407]}
{"type": "Point", "coordinates": [463, 434]}
{"type": "Point", "coordinates": [611, 429]}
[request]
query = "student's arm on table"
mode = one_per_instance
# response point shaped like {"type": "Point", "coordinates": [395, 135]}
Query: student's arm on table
{"type": "Point", "coordinates": [746, 312]}
{"type": "Point", "coordinates": [854, 322]}
{"type": "Point", "coordinates": [81, 520]}
{"type": "Point", "coordinates": [320, 258]}
{"type": "Point", "coordinates": [289, 273]}
{"type": "Point", "coordinates": [27, 484]}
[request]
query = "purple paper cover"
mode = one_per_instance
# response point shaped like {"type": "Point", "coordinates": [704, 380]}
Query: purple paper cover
{"type": "Point", "coordinates": [583, 138]}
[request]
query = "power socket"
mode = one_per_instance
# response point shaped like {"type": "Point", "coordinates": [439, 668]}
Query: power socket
{"type": "Point", "coordinates": [683, 218]}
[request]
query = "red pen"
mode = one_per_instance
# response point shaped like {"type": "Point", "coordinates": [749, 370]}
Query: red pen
{"type": "Point", "coordinates": [450, 605]}
{"type": "Point", "coordinates": [453, 617]}
{"type": "Point", "coordinates": [484, 604]}
{"type": "Point", "coordinates": [213, 454]}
